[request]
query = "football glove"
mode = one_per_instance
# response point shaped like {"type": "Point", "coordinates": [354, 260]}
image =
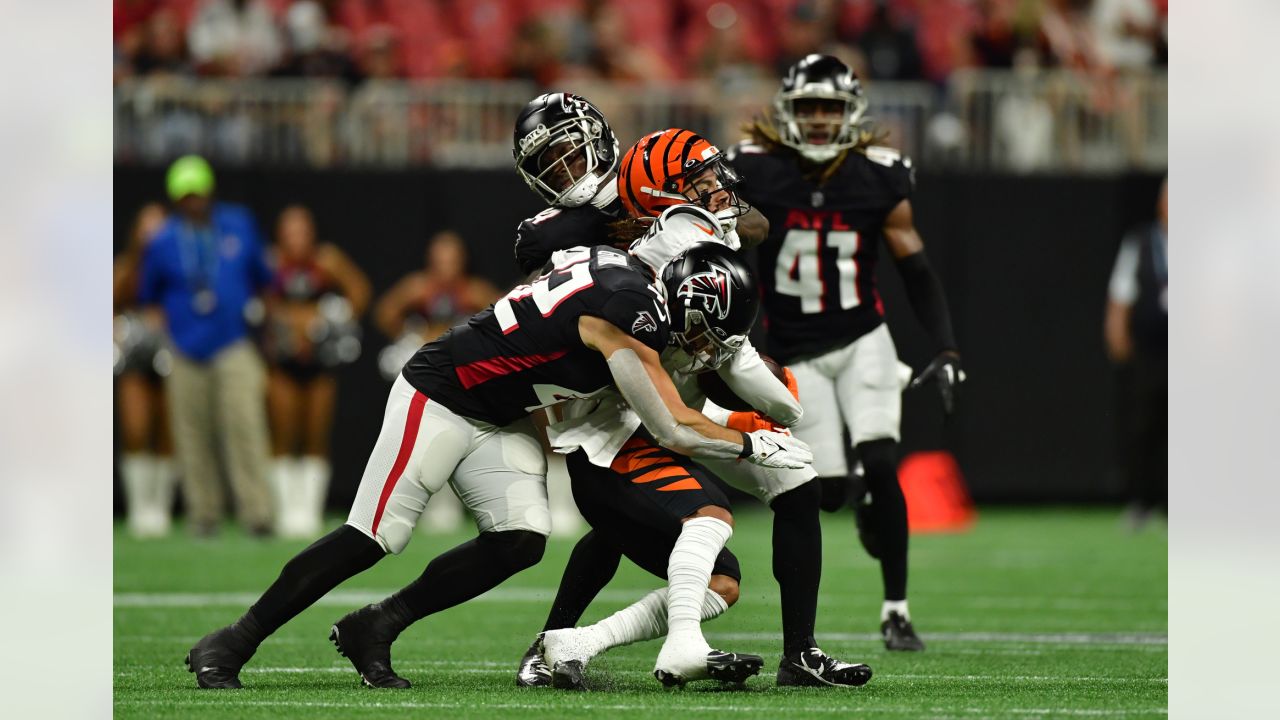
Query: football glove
{"type": "Point", "coordinates": [946, 371]}
{"type": "Point", "coordinates": [775, 450]}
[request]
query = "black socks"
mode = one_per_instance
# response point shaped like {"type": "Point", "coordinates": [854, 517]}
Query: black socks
{"type": "Point", "coordinates": [591, 566]}
{"type": "Point", "coordinates": [797, 563]}
{"type": "Point", "coordinates": [468, 570]}
{"type": "Point", "coordinates": [888, 515]}
{"type": "Point", "coordinates": [306, 578]}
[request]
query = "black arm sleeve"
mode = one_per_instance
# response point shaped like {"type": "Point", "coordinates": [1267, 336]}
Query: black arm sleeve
{"type": "Point", "coordinates": [925, 293]}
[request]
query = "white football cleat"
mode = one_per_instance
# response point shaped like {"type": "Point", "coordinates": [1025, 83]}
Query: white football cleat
{"type": "Point", "coordinates": [567, 653]}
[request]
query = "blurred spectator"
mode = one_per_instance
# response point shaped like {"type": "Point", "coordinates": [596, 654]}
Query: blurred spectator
{"type": "Point", "coordinates": [234, 37]}
{"type": "Point", "coordinates": [163, 48]}
{"type": "Point", "coordinates": [1024, 120]}
{"type": "Point", "coordinates": [614, 57]}
{"type": "Point", "coordinates": [377, 120]}
{"type": "Point", "coordinates": [806, 28]}
{"type": "Point", "coordinates": [1126, 32]}
{"type": "Point", "coordinates": [202, 268]}
{"type": "Point", "coordinates": [1137, 335]}
{"type": "Point", "coordinates": [890, 47]}
{"type": "Point", "coordinates": [727, 41]}
{"type": "Point", "coordinates": [315, 49]}
{"type": "Point", "coordinates": [427, 302]}
{"type": "Point", "coordinates": [314, 305]}
{"type": "Point", "coordinates": [141, 361]}
{"type": "Point", "coordinates": [1068, 31]}
{"type": "Point", "coordinates": [551, 41]}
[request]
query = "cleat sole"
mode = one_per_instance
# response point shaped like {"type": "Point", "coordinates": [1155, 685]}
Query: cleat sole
{"type": "Point", "coordinates": [568, 675]}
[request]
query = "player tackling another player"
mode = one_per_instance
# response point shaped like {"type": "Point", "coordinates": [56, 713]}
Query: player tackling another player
{"type": "Point", "coordinates": [459, 413]}
{"type": "Point", "coordinates": [680, 183]}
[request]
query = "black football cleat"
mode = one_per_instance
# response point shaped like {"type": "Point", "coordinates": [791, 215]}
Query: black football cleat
{"type": "Point", "coordinates": [364, 637]}
{"type": "Point", "coordinates": [217, 658]}
{"type": "Point", "coordinates": [569, 675]}
{"type": "Point", "coordinates": [533, 670]}
{"type": "Point", "coordinates": [814, 668]}
{"type": "Point", "coordinates": [727, 667]}
{"type": "Point", "coordinates": [899, 635]}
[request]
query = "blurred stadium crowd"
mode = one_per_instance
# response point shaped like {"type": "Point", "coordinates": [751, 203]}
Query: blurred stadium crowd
{"type": "Point", "coordinates": [557, 41]}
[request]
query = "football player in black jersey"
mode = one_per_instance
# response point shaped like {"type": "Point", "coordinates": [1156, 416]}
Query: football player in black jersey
{"type": "Point", "coordinates": [676, 179]}
{"type": "Point", "coordinates": [831, 196]}
{"type": "Point", "coordinates": [458, 413]}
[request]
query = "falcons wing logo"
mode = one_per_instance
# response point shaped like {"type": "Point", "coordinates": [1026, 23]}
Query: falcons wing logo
{"type": "Point", "coordinates": [644, 323]}
{"type": "Point", "coordinates": [711, 288]}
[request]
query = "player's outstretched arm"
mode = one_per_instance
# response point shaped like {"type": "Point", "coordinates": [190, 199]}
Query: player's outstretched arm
{"type": "Point", "coordinates": [927, 300]}
{"type": "Point", "coordinates": [637, 371]}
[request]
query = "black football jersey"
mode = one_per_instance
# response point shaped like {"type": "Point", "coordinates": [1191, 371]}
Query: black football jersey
{"type": "Point", "coordinates": [562, 228]}
{"type": "Point", "coordinates": [818, 265]}
{"type": "Point", "coordinates": [524, 352]}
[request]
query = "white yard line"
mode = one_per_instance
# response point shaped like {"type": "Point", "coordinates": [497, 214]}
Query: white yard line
{"type": "Point", "coordinates": [484, 667]}
{"type": "Point", "coordinates": [719, 708]}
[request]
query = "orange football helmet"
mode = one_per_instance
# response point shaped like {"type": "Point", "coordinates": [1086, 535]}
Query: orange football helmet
{"type": "Point", "coordinates": [676, 167]}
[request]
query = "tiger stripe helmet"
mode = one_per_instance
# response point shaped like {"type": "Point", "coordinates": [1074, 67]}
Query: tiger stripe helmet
{"type": "Point", "coordinates": [660, 171]}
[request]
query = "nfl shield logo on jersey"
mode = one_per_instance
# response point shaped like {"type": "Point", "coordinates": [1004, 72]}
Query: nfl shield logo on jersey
{"type": "Point", "coordinates": [644, 323]}
{"type": "Point", "coordinates": [817, 198]}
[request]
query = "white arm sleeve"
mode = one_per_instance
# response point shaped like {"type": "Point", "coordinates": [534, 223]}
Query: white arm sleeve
{"type": "Point", "coordinates": [753, 381]}
{"type": "Point", "coordinates": [636, 386]}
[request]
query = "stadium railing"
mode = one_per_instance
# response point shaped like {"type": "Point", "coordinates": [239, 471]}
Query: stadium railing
{"type": "Point", "coordinates": [983, 120]}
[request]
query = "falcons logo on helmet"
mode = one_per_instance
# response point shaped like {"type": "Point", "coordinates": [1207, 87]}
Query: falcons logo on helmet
{"type": "Point", "coordinates": [711, 287]}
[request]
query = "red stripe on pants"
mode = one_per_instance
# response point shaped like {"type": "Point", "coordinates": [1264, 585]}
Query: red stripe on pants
{"type": "Point", "coordinates": [411, 424]}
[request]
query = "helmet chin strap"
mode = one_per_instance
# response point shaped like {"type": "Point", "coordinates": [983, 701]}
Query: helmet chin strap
{"type": "Point", "coordinates": [581, 192]}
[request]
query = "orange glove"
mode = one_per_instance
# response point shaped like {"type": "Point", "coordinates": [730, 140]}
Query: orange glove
{"type": "Point", "coordinates": [749, 422]}
{"type": "Point", "coordinates": [789, 380]}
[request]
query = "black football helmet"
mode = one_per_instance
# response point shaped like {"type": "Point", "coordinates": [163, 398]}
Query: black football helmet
{"type": "Point", "coordinates": [713, 300]}
{"type": "Point", "coordinates": [819, 78]}
{"type": "Point", "coordinates": [563, 148]}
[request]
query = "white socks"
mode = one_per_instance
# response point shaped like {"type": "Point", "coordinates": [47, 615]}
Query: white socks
{"type": "Point", "coordinates": [299, 486]}
{"type": "Point", "coordinates": [646, 620]}
{"type": "Point", "coordinates": [688, 572]}
{"type": "Point", "coordinates": [148, 493]}
{"type": "Point", "coordinates": [891, 606]}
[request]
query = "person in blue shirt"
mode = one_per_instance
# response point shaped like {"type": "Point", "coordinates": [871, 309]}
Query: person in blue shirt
{"type": "Point", "coordinates": [203, 267]}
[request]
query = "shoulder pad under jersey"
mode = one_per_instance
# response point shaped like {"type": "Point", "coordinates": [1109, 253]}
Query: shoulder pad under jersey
{"type": "Point", "coordinates": [673, 232]}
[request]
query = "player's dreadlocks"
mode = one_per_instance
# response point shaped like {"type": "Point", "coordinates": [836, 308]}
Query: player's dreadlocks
{"type": "Point", "coordinates": [763, 131]}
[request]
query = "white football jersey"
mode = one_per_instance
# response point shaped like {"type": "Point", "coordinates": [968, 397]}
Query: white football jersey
{"type": "Point", "coordinates": [675, 230]}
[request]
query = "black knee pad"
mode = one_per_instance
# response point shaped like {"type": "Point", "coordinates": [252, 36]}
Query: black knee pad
{"type": "Point", "coordinates": [516, 549]}
{"type": "Point", "coordinates": [834, 492]}
{"type": "Point", "coordinates": [880, 461]}
{"type": "Point", "coordinates": [799, 502]}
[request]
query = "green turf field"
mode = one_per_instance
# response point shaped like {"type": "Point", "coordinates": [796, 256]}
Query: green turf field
{"type": "Point", "coordinates": [1033, 613]}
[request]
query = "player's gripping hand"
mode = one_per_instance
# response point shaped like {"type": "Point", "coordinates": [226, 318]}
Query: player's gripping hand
{"type": "Point", "coordinates": [946, 370]}
{"type": "Point", "coordinates": [775, 449]}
